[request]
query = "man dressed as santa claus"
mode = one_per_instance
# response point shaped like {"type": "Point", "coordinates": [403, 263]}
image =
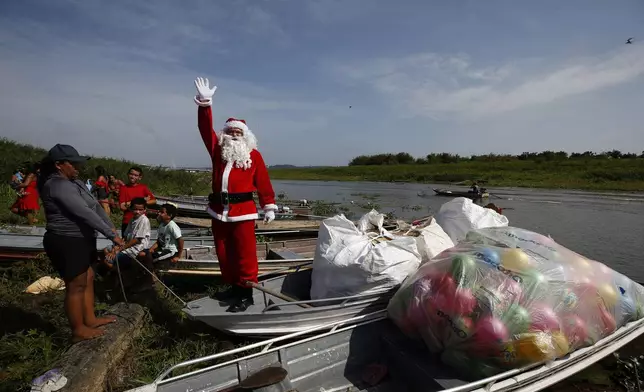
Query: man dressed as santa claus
{"type": "Point", "coordinates": [238, 170]}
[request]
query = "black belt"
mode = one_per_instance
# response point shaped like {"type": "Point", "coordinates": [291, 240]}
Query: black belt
{"type": "Point", "coordinates": [225, 198]}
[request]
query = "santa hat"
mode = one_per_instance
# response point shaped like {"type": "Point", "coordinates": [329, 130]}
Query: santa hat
{"type": "Point", "coordinates": [236, 123]}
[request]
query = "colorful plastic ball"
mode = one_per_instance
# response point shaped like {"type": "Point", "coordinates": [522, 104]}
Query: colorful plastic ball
{"type": "Point", "coordinates": [576, 330]}
{"type": "Point", "coordinates": [439, 282]}
{"type": "Point", "coordinates": [607, 293]}
{"type": "Point", "coordinates": [608, 322]}
{"type": "Point", "coordinates": [463, 302]}
{"type": "Point", "coordinates": [460, 330]}
{"type": "Point", "coordinates": [491, 331]}
{"type": "Point", "coordinates": [569, 300]}
{"type": "Point", "coordinates": [535, 284]}
{"type": "Point", "coordinates": [534, 347]}
{"type": "Point", "coordinates": [490, 256]}
{"type": "Point", "coordinates": [581, 264]}
{"type": "Point", "coordinates": [517, 319]}
{"type": "Point", "coordinates": [544, 318]}
{"type": "Point", "coordinates": [515, 259]}
{"type": "Point", "coordinates": [463, 269]}
{"type": "Point", "coordinates": [560, 344]}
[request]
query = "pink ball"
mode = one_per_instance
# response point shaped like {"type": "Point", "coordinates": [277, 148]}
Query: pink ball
{"type": "Point", "coordinates": [608, 322]}
{"type": "Point", "coordinates": [575, 330]}
{"type": "Point", "coordinates": [544, 318]}
{"type": "Point", "coordinates": [491, 331]}
{"type": "Point", "coordinates": [463, 302]}
{"type": "Point", "coordinates": [440, 282]}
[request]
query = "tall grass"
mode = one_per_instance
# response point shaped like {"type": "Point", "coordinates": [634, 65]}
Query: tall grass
{"type": "Point", "coordinates": [160, 180]}
{"type": "Point", "coordinates": [591, 174]}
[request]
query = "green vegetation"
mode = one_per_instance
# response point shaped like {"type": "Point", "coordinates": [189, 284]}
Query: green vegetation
{"type": "Point", "coordinates": [162, 181]}
{"type": "Point", "coordinates": [623, 174]}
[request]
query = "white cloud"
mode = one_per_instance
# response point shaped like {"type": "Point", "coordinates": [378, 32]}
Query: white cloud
{"type": "Point", "coordinates": [455, 87]}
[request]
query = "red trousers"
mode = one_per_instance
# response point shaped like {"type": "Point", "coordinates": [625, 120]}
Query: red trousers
{"type": "Point", "coordinates": [236, 248]}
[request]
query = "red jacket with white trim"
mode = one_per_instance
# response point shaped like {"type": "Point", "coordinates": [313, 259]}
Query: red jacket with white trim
{"type": "Point", "coordinates": [227, 178]}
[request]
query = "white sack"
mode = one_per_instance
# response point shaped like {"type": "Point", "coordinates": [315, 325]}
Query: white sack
{"type": "Point", "coordinates": [349, 261]}
{"type": "Point", "coordinates": [460, 215]}
{"type": "Point", "coordinates": [432, 241]}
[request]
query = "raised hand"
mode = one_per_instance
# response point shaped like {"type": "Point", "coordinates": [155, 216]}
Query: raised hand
{"type": "Point", "coordinates": [203, 89]}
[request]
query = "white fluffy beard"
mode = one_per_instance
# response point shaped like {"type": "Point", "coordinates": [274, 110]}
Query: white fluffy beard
{"type": "Point", "coordinates": [236, 151]}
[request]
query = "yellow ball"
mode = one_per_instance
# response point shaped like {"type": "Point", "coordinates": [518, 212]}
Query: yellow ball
{"type": "Point", "coordinates": [534, 347]}
{"type": "Point", "coordinates": [560, 344]}
{"type": "Point", "coordinates": [582, 263]}
{"type": "Point", "coordinates": [515, 259]}
{"type": "Point", "coordinates": [608, 294]}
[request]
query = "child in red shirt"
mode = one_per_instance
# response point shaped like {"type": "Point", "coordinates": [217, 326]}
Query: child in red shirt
{"type": "Point", "coordinates": [131, 191]}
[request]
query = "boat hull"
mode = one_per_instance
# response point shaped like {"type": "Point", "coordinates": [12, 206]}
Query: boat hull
{"type": "Point", "coordinates": [273, 316]}
{"type": "Point", "coordinates": [338, 360]}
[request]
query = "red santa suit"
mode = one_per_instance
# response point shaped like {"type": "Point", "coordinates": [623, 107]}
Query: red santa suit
{"type": "Point", "coordinates": [231, 204]}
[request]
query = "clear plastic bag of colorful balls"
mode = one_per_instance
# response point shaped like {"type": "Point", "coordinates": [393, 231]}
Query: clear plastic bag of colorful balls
{"type": "Point", "coordinates": [507, 297]}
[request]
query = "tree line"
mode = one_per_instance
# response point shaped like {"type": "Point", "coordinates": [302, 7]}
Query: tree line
{"type": "Point", "coordinates": [403, 158]}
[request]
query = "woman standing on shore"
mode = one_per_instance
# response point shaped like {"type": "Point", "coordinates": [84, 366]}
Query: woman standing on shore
{"type": "Point", "coordinates": [73, 217]}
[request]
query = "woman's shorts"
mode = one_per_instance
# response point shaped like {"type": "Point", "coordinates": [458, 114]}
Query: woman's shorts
{"type": "Point", "coordinates": [70, 256]}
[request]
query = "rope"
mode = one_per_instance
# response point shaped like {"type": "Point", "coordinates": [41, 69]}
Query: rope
{"type": "Point", "coordinates": [151, 274]}
{"type": "Point", "coordinates": [159, 280]}
{"type": "Point", "coordinates": [118, 270]}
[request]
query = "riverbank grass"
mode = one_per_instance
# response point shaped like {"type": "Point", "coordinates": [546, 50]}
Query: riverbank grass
{"type": "Point", "coordinates": [591, 174]}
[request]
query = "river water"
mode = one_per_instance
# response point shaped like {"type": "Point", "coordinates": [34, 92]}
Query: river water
{"type": "Point", "coordinates": [607, 227]}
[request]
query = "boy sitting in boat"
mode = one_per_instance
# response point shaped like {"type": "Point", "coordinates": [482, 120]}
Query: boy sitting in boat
{"type": "Point", "coordinates": [169, 244]}
{"type": "Point", "coordinates": [136, 236]}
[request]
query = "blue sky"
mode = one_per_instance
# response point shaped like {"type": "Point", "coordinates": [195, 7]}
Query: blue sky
{"type": "Point", "coordinates": [115, 78]}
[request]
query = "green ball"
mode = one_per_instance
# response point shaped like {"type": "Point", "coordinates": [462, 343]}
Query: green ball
{"type": "Point", "coordinates": [535, 284]}
{"type": "Point", "coordinates": [463, 269]}
{"type": "Point", "coordinates": [517, 319]}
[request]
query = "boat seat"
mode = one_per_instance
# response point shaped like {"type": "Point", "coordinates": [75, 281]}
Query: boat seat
{"type": "Point", "coordinates": [282, 254]}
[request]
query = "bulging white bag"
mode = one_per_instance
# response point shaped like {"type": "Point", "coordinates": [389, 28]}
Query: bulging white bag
{"type": "Point", "coordinates": [460, 215]}
{"type": "Point", "coordinates": [350, 260]}
{"type": "Point", "coordinates": [432, 241]}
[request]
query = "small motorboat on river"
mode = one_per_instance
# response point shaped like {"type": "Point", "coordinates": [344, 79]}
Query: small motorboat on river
{"type": "Point", "coordinates": [471, 195]}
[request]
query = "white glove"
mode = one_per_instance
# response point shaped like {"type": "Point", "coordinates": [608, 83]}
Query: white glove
{"type": "Point", "coordinates": [269, 216]}
{"type": "Point", "coordinates": [204, 92]}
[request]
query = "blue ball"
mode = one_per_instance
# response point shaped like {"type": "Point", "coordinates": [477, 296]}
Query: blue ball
{"type": "Point", "coordinates": [491, 256]}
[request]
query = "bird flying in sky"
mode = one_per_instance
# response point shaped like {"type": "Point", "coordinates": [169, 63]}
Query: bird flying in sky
{"type": "Point", "coordinates": [630, 40]}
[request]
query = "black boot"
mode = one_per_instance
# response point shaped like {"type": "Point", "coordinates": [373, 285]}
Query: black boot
{"type": "Point", "coordinates": [243, 302]}
{"type": "Point", "coordinates": [229, 295]}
